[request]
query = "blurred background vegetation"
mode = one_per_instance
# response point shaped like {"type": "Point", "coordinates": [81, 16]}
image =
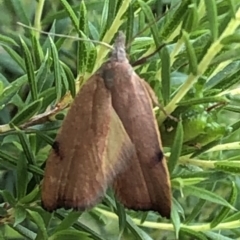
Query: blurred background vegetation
{"type": "Point", "coordinates": [194, 72]}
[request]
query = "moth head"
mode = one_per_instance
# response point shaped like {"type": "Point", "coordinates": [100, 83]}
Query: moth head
{"type": "Point", "coordinates": [118, 53]}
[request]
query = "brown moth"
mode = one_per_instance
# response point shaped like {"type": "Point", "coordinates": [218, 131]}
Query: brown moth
{"type": "Point", "coordinates": [91, 148]}
{"type": "Point", "coordinates": [109, 134]}
{"type": "Point", "coordinates": [145, 184]}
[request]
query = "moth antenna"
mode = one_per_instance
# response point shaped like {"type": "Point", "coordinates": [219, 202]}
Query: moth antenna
{"type": "Point", "coordinates": [118, 53]}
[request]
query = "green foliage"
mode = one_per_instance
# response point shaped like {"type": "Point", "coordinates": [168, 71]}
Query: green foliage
{"type": "Point", "coordinates": [195, 74]}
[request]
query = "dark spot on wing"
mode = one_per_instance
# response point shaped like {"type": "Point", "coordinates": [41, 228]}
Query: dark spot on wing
{"type": "Point", "coordinates": [155, 160]}
{"type": "Point", "coordinates": [56, 147]}
{"type": "Point", "coordinates": [160, 156]}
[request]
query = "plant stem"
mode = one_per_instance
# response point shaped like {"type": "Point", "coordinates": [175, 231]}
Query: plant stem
{"type": "Point", "coordinates": [102, 51]}
{"type": "Point", "coordinates": [206, 164]}
{"type": "Point", "coordinates": [38, 15]}
{"type": "Point", "coordinates": [170, 227]}
{"type": "Point", "coordinates": [235, 91]}
{"type": "Point", "coordinates": [226, 146]}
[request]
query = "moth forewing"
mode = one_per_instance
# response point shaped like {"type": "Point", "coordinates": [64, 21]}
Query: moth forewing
{"type": "Point", "coordinates": [145, 185]}
{"type": "Point", "coordinates": [84, 160]}
{"type": "Point", "coordinates": [119, 148]}
{"type": "Point", "coordinates": [149, 92]}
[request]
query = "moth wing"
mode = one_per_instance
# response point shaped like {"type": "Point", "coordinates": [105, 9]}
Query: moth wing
{"type": "Point", "coordinates": [150, 92]}
{"type": "Point", "coordinates": [145, 185]}
{"type": "Point", "coordinates": [154, 99]}
{"type": "Point", "coordinates": [91, 148]}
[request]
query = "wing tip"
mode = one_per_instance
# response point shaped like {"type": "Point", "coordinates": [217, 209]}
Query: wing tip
{"type": "Point", "coordinates": [163, 209]}
{"type": "Point", "coordinates": [51, 206]}
{"type": "Point", "coordinates": [66, 206]}
{"type": "Point", "coordinates": [166, 212]}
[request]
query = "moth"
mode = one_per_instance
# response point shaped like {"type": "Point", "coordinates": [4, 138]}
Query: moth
{"type": "Point", "coordinates": [145, 184]}
{"type": "Point", "coordinates": [91, 148]}
{"type": "Point", "coordinates": [109, 137]}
